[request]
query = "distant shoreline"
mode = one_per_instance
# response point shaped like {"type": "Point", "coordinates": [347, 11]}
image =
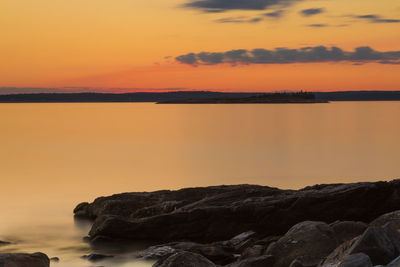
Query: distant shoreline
{"type": "Point", "coordinates": [196, 97]}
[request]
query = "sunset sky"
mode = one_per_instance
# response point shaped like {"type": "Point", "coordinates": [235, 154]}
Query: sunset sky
{"type": "Point", "coordinates": [227, 45]}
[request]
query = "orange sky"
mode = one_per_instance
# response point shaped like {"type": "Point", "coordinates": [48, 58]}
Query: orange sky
{"type": "Point", "coordinates": [133, 44]}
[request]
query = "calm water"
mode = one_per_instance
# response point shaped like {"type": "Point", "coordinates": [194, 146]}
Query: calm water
{"type": "Point", "coordinates": [53, 156]}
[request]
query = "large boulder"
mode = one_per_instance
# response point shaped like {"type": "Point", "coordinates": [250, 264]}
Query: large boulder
{"type": "Point", "coordinates": [184, 259]}
{"type": "Point", "coordinates": [314, 240]}
{"type": "Point", "coordinates": [380, 244]}
{"type": "Point", "coordinates": [348, 230]}
{"type": "Point", "coordinates": [392, 218]}
{"type": "Point", "coordinates": [24, 260]}
{"type": "Point", "coordinates": [219, 212]}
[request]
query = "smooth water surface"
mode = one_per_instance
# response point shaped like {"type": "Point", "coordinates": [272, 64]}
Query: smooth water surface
{"type": "Point", "coordinates": [55, 155]}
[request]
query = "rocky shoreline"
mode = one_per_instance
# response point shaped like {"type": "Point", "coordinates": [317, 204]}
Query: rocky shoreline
{"type": "Point", "coordinates": [248, 225]}
{"type": "Point", "coordinates": [346, 225]}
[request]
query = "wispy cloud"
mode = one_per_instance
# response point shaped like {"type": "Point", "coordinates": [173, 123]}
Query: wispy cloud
{"type": "Point", "coordinates": [226, 5]}
{"type": "Point", "coordinates": [240, 19]}
{"type": "Point", "coordinates": [275, 14]}
{"type": "Point", "coordinates": [311, 11]}
{"type": "Point", "coordinates": [374, 18]}
{"type": "Point", "coordinates": [317, 25]}
{"type": "Point", "coordinates": [363, 54]}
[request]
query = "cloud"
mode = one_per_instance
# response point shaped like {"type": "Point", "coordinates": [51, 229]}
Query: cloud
{"type": "Point", "coordinates": [373, 18]}
{"type": "Point", "coordinates": [318, 25]}
{"type": "Point", "coordinates": [311, 11]}
{"type": "Point", "coordinates": [363, 54]}
{"type": "Point", "coordinates": [240, 19]}
{"type": "Point", "coordinates": [226, 5]}
{"type": "Point", "coordinates": [274, 14]}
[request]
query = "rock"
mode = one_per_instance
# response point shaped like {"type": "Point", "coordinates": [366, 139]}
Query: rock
{"type": "Point", "coordinates": [156, 252]}
{"type": "Point", "coordinates": [305, 261]}
{"type": "Point", "coordinates": [381, 244]}
{"type": "Point", "coordinates": [4, 243]}
{"type": "Point", "coordinates": [37, 259]}
{"type": "Point", "coordinates": [348, 230]}
{"type": "Point", "coordinates": [392, 218]}
{"type": "Point", "coordinates": [54, 259]}
{"type": "Point", "coordinates": [262, 261]}
{"type": "Point", "coordinates": [296, 263]}
{"type": "Point", "coordinates": [336, 256]}
{"type": "Point", "coordinates": [312, 239]}
{"type": "Point", "coordinates": [394, 263]}
{"type": "Point", "coordinates": [213, 252]}
{"type": "Point", "coordinates": [184, 259]}
{"type": "Point", "coordinates": [82, 211]}
{"type": "Point", "coordinates": [237, 240]}
{"type": "Point", "coordinates": [240, 242]}
{"type": "Point", "coordinates": [254, 251]}
{"type": "Point", "coordinates": [96, 257]}
{"type": "Point", "coordinates": [356, 260]}
{"type": "Point", "coordinates": [216, 213]}
{"type": "Point", "coordinates": [266, 241]}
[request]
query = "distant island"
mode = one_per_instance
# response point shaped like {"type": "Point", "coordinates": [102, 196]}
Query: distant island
{"type": "Point", "coordinates": [201, 97]}
{"type": "Point", "coordinates": [267, 98]}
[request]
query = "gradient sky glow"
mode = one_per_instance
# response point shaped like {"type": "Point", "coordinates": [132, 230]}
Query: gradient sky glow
{"type": "Point", "coordinates": [134, 44]}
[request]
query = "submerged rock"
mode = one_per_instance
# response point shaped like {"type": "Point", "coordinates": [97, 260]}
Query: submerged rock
{"type": "Point", "coordinates": [4, 243]}
{"type": "Point", "coordinates": [37, 259]}
{"type": "Point", "coordinates": [216, 213]}
{"type": "Point", "coordinates": [54, 259]}
{"type": "Point", "coordinates": [96, 257]}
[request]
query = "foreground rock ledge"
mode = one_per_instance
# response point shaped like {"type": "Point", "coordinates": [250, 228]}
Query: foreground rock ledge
{"type": "Point", "coordinates": [24, 260]}
{"type": "Point", "coordinates": [217, 213]}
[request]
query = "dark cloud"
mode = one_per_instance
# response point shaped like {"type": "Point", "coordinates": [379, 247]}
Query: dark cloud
{"type": "Point", "coordinates": [363, 54]}
{"type": "Point", "coordinates": [311, 11]}
{"type": "Point", "coordinates": [318, 25]}
{"type": "Point", "coordinates": [226, 5]}
{"type": "Point", "coordinates": [274, 14]}
{"type": "Point", "coordinates": [373, 18]}
{"type": "Point", "coordinates": [240, 19]}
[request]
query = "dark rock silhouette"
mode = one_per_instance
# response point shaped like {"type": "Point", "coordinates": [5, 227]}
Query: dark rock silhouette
{"type": "Point", "coordinates": [4, 243]}
{"type": "Point", "coordinates": [182, 96]}
{"type": "Point", "coordinates": [219, 212]}
{"type": "Point", "coordinates": [24, 260]}
{"type": "Point", "coordinates": [346, 225]}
